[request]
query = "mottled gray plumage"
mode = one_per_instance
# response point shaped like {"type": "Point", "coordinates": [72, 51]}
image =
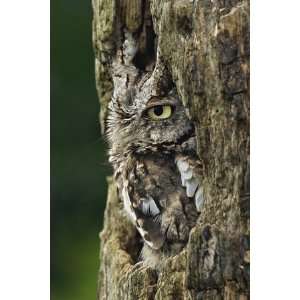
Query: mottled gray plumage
{"type": "Point", "coordinates": [155, 163]}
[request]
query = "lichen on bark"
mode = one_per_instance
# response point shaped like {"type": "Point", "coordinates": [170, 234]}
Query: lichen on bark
{"type": "Point", "coordinates": [204, 47]}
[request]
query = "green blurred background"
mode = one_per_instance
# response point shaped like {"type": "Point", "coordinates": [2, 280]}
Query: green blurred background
{"type": "Point", "coordinates": [78, 154]}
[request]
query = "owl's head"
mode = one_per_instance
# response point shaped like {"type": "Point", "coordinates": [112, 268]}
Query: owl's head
{"type": "Point", "coordinates": [138, 123]}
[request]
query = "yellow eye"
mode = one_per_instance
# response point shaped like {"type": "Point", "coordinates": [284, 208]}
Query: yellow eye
{"type": "Point", "coordinates": [160, 112]}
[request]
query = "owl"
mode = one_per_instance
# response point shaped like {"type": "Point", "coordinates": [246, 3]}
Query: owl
{"type": "Point", "coordinates": [156, 167]}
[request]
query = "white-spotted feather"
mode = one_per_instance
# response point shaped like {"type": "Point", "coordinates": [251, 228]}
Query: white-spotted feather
{"type": "Point", "coordinates": [191, 187]}
{"type": "Point", "coordinates": [183, 166]}
{"type": "Point", "coordinates": [127, 202]}
{"type": "Point", "coordinates": [149, 207]}
{"type": "Point", "coordinates": [186, 176]}
{"type": "Point", "coordinates": [199, 199]}
{"type": "Point", "coordinates": [189, 181]}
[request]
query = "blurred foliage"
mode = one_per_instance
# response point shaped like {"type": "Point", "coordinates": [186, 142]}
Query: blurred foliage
{"type": "Point", "coordinates": [78, 154]}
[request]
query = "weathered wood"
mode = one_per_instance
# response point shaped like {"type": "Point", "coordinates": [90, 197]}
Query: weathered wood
{"type": "Point", "coordinates": [204, 46]}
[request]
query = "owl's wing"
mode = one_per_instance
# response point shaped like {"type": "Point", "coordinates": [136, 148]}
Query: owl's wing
{"type": "Point", "coordinates": [157, 202]}
{"type": "Point", "coordinates": [143, 197]}
{"type": "Point", "coordinates": [144, 212]}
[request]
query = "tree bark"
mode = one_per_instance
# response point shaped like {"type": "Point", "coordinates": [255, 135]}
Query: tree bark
{"type": "Point", "coordinates": [204, 46]}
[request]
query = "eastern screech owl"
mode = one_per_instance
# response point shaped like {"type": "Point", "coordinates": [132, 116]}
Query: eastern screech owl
{"type": "Point", "coordinates": [153, 152]}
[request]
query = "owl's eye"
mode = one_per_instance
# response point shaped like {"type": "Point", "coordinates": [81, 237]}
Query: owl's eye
{"type": "Point", "coordinates": [160, 112]}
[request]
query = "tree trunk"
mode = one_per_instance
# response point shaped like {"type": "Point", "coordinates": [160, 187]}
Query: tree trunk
{"type": "Point", "coordinates": [204, 46]}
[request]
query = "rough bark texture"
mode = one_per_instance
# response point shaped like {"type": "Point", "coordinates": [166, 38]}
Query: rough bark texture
{"type": "Point", "coordinates": [204, 45]}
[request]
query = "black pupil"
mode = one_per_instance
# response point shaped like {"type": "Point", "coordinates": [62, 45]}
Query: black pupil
{"type": "Point", "coordinates": [158, 110]}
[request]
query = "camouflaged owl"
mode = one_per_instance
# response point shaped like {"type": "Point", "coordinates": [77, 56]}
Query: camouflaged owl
{"type": "Point", "coordinates": [156, 168]}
